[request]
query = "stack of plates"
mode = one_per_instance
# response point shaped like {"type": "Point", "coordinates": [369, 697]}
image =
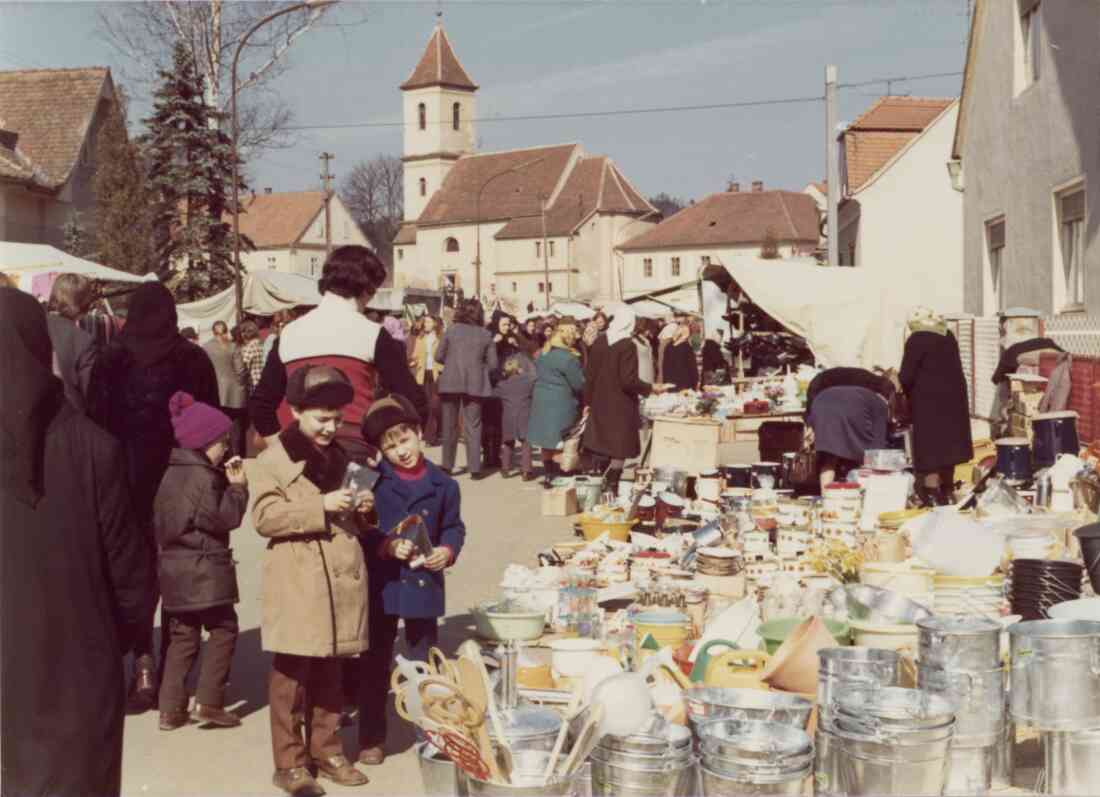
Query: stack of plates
{"type": "Point", "coordinates": [961, 595]}
{"type": "Point", "coordinates": [718, 562]}
{"type": "Point", "coordinates": [1039, 584]}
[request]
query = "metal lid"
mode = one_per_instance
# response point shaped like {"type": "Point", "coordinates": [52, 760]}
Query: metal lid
{"type": "Point", "coordinates": [524, 723]}
{"type": "Point", "coordinates": [958, 625]}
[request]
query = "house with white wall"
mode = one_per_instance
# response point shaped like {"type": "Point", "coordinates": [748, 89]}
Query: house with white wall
{"type": "Point", "coordinates": [898, 210]}
{"type": "Point", "coordinates": [520, 224]}
{"type": "Point", "coordinates": [723, 228]}
{"type": "Point", "coordinates": [287, 230]}
{"type": "Point", "coordinates": [49, 120]}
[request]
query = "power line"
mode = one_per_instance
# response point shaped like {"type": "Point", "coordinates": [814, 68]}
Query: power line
{"type": "Point", "coordinates": [898, 79]}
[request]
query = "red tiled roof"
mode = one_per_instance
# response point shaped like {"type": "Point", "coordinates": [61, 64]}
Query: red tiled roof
{"type": "Point", "coordinates": [883, 130]}
{"type": "Point", "coordinates": [406, 234]}
{"type": "Point", "coordinates": [51, 110]}
{"type": "Point", "coordinates": [439, 66]}
{"type": "Point", "coordinates": [736, 218]}
{"type": "Point", "coordinates": [276, 220]}
{"type": "Point", "coordinates": [519, 178]}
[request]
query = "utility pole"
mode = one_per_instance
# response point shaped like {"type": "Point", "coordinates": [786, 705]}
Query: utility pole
{"type": "Point", "coordinates": [326, 180]}
{"type": "Point", "coordinates": [832, 164]}
{"type": "Point", "coordinates": [545, 252]}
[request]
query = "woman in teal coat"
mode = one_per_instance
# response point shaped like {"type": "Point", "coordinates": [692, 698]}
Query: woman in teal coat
{"type": "Point", "coordinates": [559, 384]}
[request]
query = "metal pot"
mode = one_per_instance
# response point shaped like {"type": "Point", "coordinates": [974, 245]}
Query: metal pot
{"type": "Point", "coordinates": [841, 668]}
{"type": "Point", "coordinates": [1055, 674]}
{"type": "Point", "coordinates": [977, 696]}
{"type": "Point", "coordinates": [708, 703]}
{"type": "Point", "coordinates": [960, 642]}
{"type": "Point", "coordinates": [1071, 761]}
{"type": "Point", "coordinates": [678, 779]}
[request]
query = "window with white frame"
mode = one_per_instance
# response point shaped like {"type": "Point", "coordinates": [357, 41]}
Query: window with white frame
{"type": "Point", "coordinates": [995, 248]}
{"type": "Point", "coordinates": [538, 248]}
{"type": "Point", "coordinates": [550, 248]}
{"type": "Point", "coordinates": [1071, 242]}
{"type": "Point", "coordinates": [647, 267]}
{"type": "Point", "coordinates": [675, 267]}
{"type": "Point", "coordinates": [1029, 38]}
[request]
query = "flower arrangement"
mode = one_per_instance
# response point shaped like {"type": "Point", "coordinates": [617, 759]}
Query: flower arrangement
{"type": "Point", "coordinates": [836, 559]}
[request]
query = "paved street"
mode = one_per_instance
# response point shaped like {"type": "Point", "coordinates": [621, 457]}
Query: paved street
{"type": "Point", "coordinates": [504, 525]}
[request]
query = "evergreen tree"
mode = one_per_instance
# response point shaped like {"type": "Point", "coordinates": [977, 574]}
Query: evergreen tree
{"type": "Point", "coordinates": [76, 241]}
{"type": "Point", "coordinates": [123, 230]}
{"type": "Point", "coordinates": [190, 174]}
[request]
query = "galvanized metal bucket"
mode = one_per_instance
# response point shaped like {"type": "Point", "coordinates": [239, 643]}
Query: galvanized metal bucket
{"type": "Point", "coordinates": [841, 668]}
{"type": "Point", "coordinates": [1004, 761]}
{"type": "Point", "coordinates": [888, 766]}
{"type": "Point", "coordinates": [528, 769]}
{"type": "Point", "coordinates": [960, 642]}
{"type": "Point", "coordinates": [708, 703]}
{"type": "Point", "coordinates": [717, 784]}
{"type": "Point", "coordinates": [978, 698]}
{"type": "Point", "coordinates": [1055, 674]}
{"type": "Point", "coordinates": [1071, 761]}
{"type": "Point", "coordinates": [892, 709]}
{"type": "Point", "coordinates": [677, 778]}
{"type": "Point", "coordinates": [970, 769]}
{"type": "Point", "coordinates": [438, 773]}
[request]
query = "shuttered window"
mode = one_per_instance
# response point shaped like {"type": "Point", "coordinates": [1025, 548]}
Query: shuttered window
{"type": "Point", "coordinates": [1071, 220]}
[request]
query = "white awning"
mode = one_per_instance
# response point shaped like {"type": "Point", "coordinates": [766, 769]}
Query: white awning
{"type": "Point", "coordinates": [24, 262]}
{"type": "Point", "coordinates": [265, 293]}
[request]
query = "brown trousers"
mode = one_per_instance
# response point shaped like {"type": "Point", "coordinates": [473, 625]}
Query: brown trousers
{"type": "Point", "coordinates": [184, 633]}
{"type": "Point", "coordinates": [306, 695]}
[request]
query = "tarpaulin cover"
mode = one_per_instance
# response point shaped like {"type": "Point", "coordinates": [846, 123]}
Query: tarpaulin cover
{"type": "Point", "coordinates": [265, 293]}
{"type": "Point", "coordinates": [32, 264]}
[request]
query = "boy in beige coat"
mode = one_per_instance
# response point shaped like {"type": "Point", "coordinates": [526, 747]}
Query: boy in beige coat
{"type": "Point", "coordinates": [314, 580]}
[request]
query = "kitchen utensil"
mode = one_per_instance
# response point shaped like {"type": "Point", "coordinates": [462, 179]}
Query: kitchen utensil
{"type": "Point", "coordinates": [559, 743]}
{"type": "Point", "coordinates": [476, 689]}
{"type": "Point", "coordinates": [793, 667]}
{"type": "Point", "coordinates": [463, 752]}
{"type": "Point", "coordinates": [573, 657]}
{"type": "Point", "coordinates": [880, 606]}
{"type": "Point", "coordinates": [441, 665]}
{"type": "Point", "coordinates": [627, 702]}
{"type": "Point", "coordinates": [586, 740]}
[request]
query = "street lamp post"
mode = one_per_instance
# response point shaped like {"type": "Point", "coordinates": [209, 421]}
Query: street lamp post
{"type": "Point", "coordinates": [236, 131]}
{"type": "Point", "coordinates": [477, 219]}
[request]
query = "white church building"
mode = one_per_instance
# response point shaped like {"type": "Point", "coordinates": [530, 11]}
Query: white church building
{"type": "Point", "coordinates": [517, 224]}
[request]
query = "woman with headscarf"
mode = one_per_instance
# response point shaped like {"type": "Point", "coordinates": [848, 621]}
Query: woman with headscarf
{"type": "Point", "coordinates": [559, 383]}
{"type": "Point", "coordinates": [664, 339]}
{"type": "Point", "coordinates": [679, 367]}
{"type": "Point", "coordinates": [932, 377]}
{"type": "Point", "coordinates": [76, 576]}
{"type": "Point", "coordinates": [613, 393]}
{"type": "Point", "coordinates": [128, 396]}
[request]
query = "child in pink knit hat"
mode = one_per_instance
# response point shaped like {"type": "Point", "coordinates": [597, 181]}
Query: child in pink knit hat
{"type": "Point", "coordinates": [196, 507]}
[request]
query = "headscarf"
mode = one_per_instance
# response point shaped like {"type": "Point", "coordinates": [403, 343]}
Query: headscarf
{"type": "Point", "coordinates": [923, 319]}
{"type": "Point", "coordinates": [152, 326]}
{"type": "Point", "coordinates": [29, 397]}
{"type": "Point", "coordinates": [668, 331]}
{"type": "Point", "coordinates": [394, 327]}
{"type": "Point", "coordinates": [622, 324]}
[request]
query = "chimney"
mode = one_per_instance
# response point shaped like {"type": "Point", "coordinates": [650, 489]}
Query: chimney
{"type": "Point", "coordinates": [757, 186]}
{"type": "Point", "coordinates": [267, 190]}
{"type": "Point", "coordinates": [9, 139]}
{"type": "Point", "coordinates": [733, 188]}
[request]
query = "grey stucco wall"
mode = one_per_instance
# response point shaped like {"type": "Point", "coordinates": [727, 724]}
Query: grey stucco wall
{"type": "Point", "coordinates": [1018, 149]}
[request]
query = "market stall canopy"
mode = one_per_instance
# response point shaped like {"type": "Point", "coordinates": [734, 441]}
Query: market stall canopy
{"type": "Point", "coordinates": [848, 316]}
{"type": "Point", "coordinates": [581, 312]}
{"type": "Point", "coordinates": [265, 293]}
{"type": "Point", "coordinates": [33, 266]}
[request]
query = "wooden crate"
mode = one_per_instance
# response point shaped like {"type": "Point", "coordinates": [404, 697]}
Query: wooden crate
{"type": "Point", "coordinates": [690, 444]}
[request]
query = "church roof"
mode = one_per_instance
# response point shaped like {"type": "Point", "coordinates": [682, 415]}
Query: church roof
{"type": "Point", "coordinates": [439, 66]}
{"type": "Point", "coordinates": [735, 217]}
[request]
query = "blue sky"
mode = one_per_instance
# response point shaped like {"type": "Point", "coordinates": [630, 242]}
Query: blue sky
{"type": "Point", "coordinates": [547, 57]}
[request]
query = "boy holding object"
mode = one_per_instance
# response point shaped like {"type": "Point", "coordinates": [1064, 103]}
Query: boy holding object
{"type": "Point", "coordinates": [410, 486]}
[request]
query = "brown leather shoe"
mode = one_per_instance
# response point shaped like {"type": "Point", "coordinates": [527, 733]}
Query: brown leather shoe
{"type": "Point", "coordinates": [211, 715]}
{"type": "Point", "coordinates": [171, 720]}
{"type": "Point", "coordinates": [143, 689]}
{"type": "Point", "coordinates": [339, 770]}
{"type": "Point", "coordinates": [372, 756]}
{"type": "Point", "coordinates": [297, 782]}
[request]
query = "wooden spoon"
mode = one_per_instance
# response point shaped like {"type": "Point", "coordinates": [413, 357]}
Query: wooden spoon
{"type": "Point", "coordinates": [585, 743]}
{"type": "Point", "coordinates": [570, 712]}
{"type": "Point", "coordinates": [472, 686]}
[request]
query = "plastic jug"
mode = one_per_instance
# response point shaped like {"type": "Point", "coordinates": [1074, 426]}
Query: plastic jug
{"type": "Point", "coordinates": [407, 676]}
{"type": "Point", "coordinates": [738, 669]}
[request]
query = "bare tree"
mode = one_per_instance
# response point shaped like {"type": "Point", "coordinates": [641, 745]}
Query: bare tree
{"type": "Point", "coordinates": [144, 34]}
{"type": "Point", "coordinates": [374, 193]}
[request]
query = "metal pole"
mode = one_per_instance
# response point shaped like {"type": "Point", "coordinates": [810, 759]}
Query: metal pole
{"type": "Point", "coordinates": [327, 176]}
{"type": "Point", "coordinates": [832, 164]}
{"type": "Point", "coordinates": [545, 252]}
{"type": "Point", "coordinates": [477, 233]}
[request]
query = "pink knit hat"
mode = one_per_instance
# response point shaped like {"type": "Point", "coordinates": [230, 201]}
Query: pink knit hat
{"type": "Point", "coordinates": [195, 424]}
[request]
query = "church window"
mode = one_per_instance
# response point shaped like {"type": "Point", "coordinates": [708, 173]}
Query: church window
{"type": "Point", "coordinates": [423, 187]}
{"type": "Point", "coordinates": [422, 114]}
{"type": "Point", "coordinates": [456, 115]}
{"type": "Point", "coordinates": [450, 245]}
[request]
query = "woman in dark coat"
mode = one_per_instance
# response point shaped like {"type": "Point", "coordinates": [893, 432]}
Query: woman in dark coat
{"type": "Point", "coordinates": [468, 356]}
{"type": "Point", "coordinates": [932, 377]}
{"type": "Point", "coordinates": [678, 366]}
{"type": "Point", "coordinates": [128, 394]}
{"type": "Point", "coordinates": [504, 330]}
{"type": "Point", "coordinates": [76, 576]}
{"type": "Point", "coordinates": [515, 391]}
{"type": "Point", "coordinates": [612, 393]}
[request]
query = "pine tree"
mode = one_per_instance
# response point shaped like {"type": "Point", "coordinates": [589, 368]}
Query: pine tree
{"type": "Point", "coordinates": [123, 230]}
{"type": "Point", "coordinates": [190, 174]}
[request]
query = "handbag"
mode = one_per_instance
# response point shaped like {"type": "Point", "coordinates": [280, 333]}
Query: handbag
{"type": "Point", "coordinates": [571, 446]}
{"type": "Point", "coordinates": [804, 467]}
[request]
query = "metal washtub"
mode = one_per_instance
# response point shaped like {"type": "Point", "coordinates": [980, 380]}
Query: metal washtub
{"type": "Point", "coordinates": [977, 696]}
{"type": "Point", "coordinates": [708, 703]}
{"type": "Point", "coordinates": [747, 757]}
{"type": "Point", "coordinates": [438, 773]}
{"type": "Point", "coordinates": [1055, 671]}
{"type": "Point", "coordinates": [960, 642]}
{"type": "Point", "coordinates": [528, 768]}
{"type": "Point", "coordinates": [841, 668]}
{"type": "Point", "coordinates": [645, 766]}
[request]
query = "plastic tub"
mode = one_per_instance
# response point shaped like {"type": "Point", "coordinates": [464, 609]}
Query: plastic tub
{"type": "Point", "coordinates": [775, 631]}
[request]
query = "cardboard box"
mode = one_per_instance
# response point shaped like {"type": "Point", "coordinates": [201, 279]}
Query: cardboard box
{"type": "Point", "coordinates": [559, 502]}
{"type": "Point", "coordinates": [690, 444]}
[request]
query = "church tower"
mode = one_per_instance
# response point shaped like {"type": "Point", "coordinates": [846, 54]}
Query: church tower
{"type": "Point", "coordinates": [439, 108]}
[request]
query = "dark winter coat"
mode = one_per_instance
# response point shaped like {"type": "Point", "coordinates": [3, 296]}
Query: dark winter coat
{"type": "Point", "coordinates": [402, 591]}
{"type": "Point", "coordinates": [77, 577]}
{"type": "Point", "coordinates": [556, 400]}
{"type": "Point", "coordinates": [714, 359]}
{"type": "Point", "coordinates": [516, 393]}
{"type": "Point", "coordinates": [194, 511]}
{"type": "Point", "coordinates": [468, 355]}
{"type": "Point", "coordinates": [612, 391]}
{"type": "Point", "coordinates": [74, 351]}
{"type": "Point", "coordinates": [845, 377]}
{"type": "Point", "coordinates": [679, 367]}
{"type": "Point", "coordinates": [131, 402]}
{"type": "Point", "coordinates": [932, 377]}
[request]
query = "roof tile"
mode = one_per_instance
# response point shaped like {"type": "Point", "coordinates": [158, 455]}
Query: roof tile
{"type": "Point", "coordinates": [883, 130]}
{"type": "Point", "coordinates": [278, 220]}
{"type": "Point", "coordinates": [439, 66]}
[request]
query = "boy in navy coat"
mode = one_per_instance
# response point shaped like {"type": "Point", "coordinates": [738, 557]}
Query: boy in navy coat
{"type": "Point", "coordinates": [410, 485]}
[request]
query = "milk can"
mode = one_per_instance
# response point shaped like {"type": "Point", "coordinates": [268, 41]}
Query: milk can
{"type": "Point", "coordinates": [1055, 674]}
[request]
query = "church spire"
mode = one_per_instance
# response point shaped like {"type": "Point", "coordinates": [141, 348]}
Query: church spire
{"type": "Point", "coordinates": [439, 66]}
